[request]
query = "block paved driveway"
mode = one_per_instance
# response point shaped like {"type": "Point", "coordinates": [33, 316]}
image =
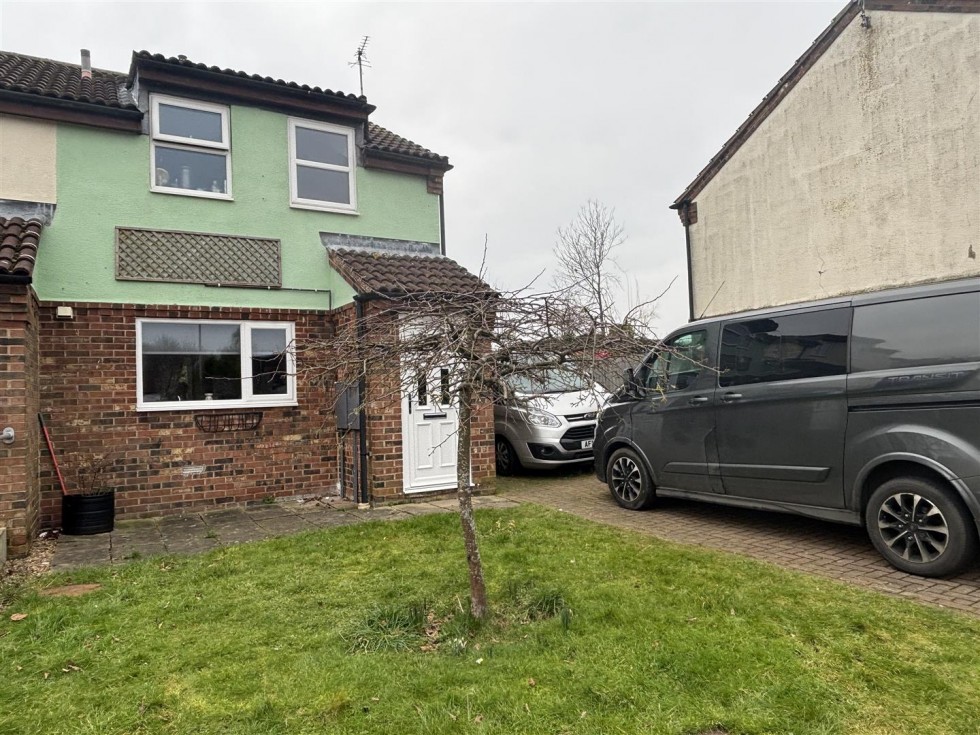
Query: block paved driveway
{"type": "Point", "coordinates": [815, 547]}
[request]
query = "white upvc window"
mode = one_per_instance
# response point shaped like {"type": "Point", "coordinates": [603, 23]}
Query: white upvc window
{"type": "Point", "coordinates": [190, 149]}
{"type": "Point", "coordinates": [322, 166]}
{"type": "Point", "coordinates": [197, 364]}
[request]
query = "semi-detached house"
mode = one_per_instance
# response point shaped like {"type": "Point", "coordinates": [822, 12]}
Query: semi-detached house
{"type": "Point", "coordinates": [168, 234]}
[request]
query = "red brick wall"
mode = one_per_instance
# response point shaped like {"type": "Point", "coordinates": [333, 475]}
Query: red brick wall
{"type": "Point", "coordinates": [88, 392]}
{"type": "Point", "coordinates": [385, 445]}
{"type": "Point", "coordinates": [19, 486]}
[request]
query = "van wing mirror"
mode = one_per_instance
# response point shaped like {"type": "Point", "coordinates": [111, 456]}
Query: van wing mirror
{"type": "Point", "coordinates": [629, 382]}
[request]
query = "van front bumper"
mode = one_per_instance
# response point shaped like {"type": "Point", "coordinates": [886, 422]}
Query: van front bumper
{"type": "Point", "coordinates": [539, 448]}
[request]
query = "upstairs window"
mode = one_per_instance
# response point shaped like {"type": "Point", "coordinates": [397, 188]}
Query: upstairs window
{"type": "Point", "coordinates": [190, 149]}
{"type": "Point", "coordinates": [321, 166]}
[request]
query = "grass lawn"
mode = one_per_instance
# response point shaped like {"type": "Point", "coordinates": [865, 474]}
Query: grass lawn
{"type": "Point", "coordinates": [360, 629]}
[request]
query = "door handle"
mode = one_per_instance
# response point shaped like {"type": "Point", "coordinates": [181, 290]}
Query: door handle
{"type": "Point", "coordinates": [729, 397]}
{"type": "Point", "coordinates": [697, 400]}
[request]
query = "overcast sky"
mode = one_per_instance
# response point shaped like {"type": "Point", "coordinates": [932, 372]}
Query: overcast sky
{"type": "Point", "coordinates": [539, 106]}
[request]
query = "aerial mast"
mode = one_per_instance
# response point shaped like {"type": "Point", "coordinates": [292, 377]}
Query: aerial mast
{"type": "Point", "coordinates": [361, 60]}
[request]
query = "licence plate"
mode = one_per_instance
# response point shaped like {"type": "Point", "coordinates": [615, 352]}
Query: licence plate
{"type": "Point", "coordinates": [587, 444]}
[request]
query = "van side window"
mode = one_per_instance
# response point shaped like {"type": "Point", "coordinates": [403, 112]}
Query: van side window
{"type": "Point", "coordinates": [791, 347]}
{"type": "Point", "coordinates": [678, 366]}
{"type": "Point", "coordinates": [938, 330]}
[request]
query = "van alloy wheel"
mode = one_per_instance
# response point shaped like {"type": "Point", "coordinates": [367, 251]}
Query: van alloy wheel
{"type": "Point", "coordinates": [920, 526]}
{"type": "Point", "coordinates": [913, 527]}
{"type": "Point", "coordinates": [628, 480]}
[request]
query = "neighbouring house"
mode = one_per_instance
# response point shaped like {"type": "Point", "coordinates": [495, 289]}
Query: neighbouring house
{"type": "Point", "coordinates": [859, 170]}
{"type": "Point", "coordinates": [167, 235]}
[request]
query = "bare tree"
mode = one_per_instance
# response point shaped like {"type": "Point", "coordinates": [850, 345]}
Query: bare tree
{"type": "Point", "coordinates": [586, 266]}
{"type": "Point", "coordinates": [487, 338]}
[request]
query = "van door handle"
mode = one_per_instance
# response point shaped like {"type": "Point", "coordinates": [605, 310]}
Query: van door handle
{"type": "Point", "coordinates": [697, 399]}
{"type": "Point", "coordinates": [729, 397]}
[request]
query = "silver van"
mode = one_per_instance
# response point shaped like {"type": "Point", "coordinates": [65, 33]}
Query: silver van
{"type": "Point", "coordinates": [546, 421]}
{"type": "Point", "coordinates": [862, 410]}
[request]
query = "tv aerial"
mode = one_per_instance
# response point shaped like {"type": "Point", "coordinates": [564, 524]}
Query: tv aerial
{"type": "Point", "coordinates": [361, 60]}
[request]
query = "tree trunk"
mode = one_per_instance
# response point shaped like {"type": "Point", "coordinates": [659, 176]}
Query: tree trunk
{"type": "Point", "coordinates": [478, 590]}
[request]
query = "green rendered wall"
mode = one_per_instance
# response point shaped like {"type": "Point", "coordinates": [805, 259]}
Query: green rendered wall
{"type": "Point", "coordinates": [104, 182]}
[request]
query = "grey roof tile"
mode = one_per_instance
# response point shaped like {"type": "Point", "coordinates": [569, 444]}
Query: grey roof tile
{"type": "Point", "coordinates": [48, 78]}
{"type": "Point", "coordinates": [58, 79]}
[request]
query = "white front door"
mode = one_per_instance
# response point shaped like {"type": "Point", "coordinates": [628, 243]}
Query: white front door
{"type": "Point", "coordinates": [429, 422]}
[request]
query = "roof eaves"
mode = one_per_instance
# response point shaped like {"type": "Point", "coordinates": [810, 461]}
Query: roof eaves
{"type": "Point", "coordinates": [802, 65]}
{"type": "Point", "coordinates": [770, 102]}
{"type": "Point", "coordinates": [156, 67]}
{"type": "Point", "coordinates": [66, 109]}
{"type": "Point", "coordinates": [435, 161]}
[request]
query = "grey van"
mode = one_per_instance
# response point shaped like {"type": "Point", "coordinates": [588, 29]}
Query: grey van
{"type": "Point", "coordinates": [862, 410]}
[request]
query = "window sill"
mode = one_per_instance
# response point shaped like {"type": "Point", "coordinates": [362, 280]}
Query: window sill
{"type": "Point", "coordinates": [191, 193]}
{"type": "Point", "coordinates": [213, 405]}
{"type": "Point", "coordinates": [323, 208]}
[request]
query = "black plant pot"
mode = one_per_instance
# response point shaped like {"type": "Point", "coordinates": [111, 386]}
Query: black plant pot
{"type": "Point", "coordinates": [84, 515]}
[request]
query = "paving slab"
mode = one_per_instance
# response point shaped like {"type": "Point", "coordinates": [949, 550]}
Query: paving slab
{"type": "Point", "coordinates": [185, 546]}
{"type": "Point", "coordinates": [82, 551]}
{"type": "Point", "coordinates": [320, 505]}
{"type": "Point", "coordinates": [329, 520]}
{"type": "Point", "coordinates": [230, 515]}
{"type": "Point", "coordinates": [146, 534]}
{"type": "Point", "coordinates": [272, 510]}
{"type": "Point", "coordinates": [421, 509]}
{"type": "Point", "coordinates": [175, 525]}
{"type": "Point", "coordinates": [384, 513]}
{"type": "Point", "coordinates": [284, 525]}
{"type": "Point", "coordinates": [124, 549]}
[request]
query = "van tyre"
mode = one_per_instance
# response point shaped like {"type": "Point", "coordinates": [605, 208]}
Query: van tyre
{"type": "Point", "coordinates": [629, 481]}
{"type": "Point", "coordinates": [507, 460]}
{"type": "Point", "coordinates": [921, 527]}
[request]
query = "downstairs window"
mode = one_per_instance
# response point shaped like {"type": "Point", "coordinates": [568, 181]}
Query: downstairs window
{"type": "Point", "coordinates": [213, 364]}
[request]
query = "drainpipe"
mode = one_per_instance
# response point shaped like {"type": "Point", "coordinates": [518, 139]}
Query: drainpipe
{"type": "Point", "coordinates": [363, 495]}
{"type": "Point", "coordinates": [688, 212]}
{"type": "Point", "coordinates": [690, 279]}
{"type": "Point", "coordinates": [442, 223]}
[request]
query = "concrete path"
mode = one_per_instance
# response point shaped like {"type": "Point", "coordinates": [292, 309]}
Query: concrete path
{"type": "Point", "coordinates": [199, 532]}
{"type": "Point", "coordinates": [816, 547]}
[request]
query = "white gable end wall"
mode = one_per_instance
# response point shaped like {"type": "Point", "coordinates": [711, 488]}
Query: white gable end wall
{"type": "Point", "coordinates": [865, 176]}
